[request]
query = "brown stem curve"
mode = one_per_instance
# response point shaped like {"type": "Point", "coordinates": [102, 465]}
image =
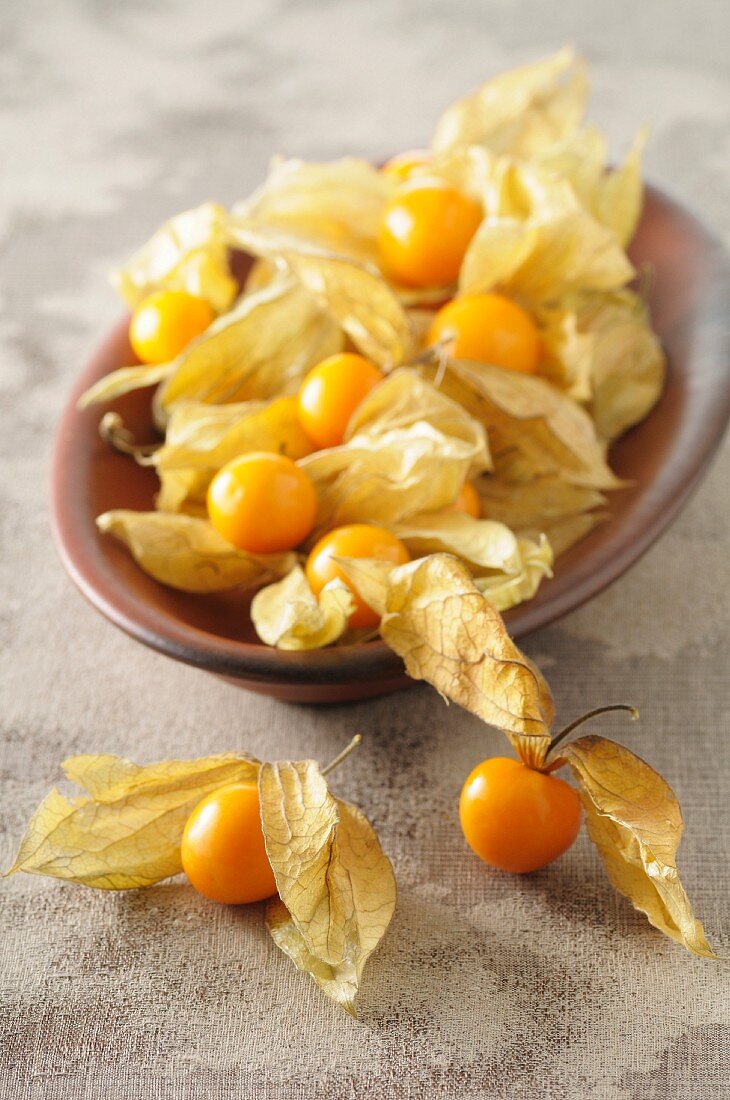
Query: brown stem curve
{"type": "Point", "coordinates": [120, 439]}
{"type": "Point", "coordinates": [560, 737]}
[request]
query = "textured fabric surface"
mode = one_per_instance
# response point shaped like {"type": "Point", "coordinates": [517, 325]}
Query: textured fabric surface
{"type": "Point", "coordinates": [113, 116]}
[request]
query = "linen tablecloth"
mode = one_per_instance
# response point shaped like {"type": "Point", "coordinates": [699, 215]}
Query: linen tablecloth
{"type": "Point", "coordinates": [112, 117]}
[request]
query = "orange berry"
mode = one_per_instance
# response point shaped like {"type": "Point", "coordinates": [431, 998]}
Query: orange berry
{"type": "Point", "coordinates": [467, 501]}
{"type": "Point", "coordinates": [488, 328]}
{"type": "Point", "coordinates": [288, 437]}
{"type": "Point", "coordinates": [515, 817]}
{"type": "Point", "coordinates": [165, 323]}
{"type": "Point", "coordinates": [359, 540]}
{"type": "Point", "coordinates": [425, 231]}
{"type": "Point", "coordinates": [331, 392]}
{"type": "Point", "coordinates": [262, 503]}
{"type": "Point", "coordinates": [223, 850]}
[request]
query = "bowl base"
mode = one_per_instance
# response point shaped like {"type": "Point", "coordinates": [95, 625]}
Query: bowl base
{"type": "Point", "coordinates": [318, 694]}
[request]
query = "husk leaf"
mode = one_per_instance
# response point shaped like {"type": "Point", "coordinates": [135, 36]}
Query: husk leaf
{"type": "Point", "coordinates": [127, 833]}
{"type": "Point", "coordinates": [188, 553]}
{"type": "Point", "coordinates": [336, 206]}
{"type": "Point", "coordinates": [448, 633]}
{"type": "Point", "coordinates": [261, 349]}
{"type": "Point", "coordinates": [202, 438]}
{"type": "Point", "coordinates": [189, 252]}
{"type": "Point", "coordinates": [534, 430]}
{"type": "Point", "coordinates": [519, 112]}
{"type": "Point", "coordinates": [354, 294]}
{"type": "Point", "coordinates": [288, 615]}
{"type": "Point", "coordinates": [408, 449]}
{"type": "Point", "coordinates": [635, 821]}
{"type": "Point", "coordinates": [336, 887]}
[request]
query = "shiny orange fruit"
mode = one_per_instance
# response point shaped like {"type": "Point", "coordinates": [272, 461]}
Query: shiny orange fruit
{"type": "Point", "coordinates": [425, 231]}
{"type": "Point", "coordinates": [515, 817]}
{"type": "Point", "coordinates": [488, 328]}
{"type": "Point", "coordinates": [165, 323]}
{"type": "Point", "coordinates": [223, 851]}
{"type": "Point", "coordinates": [358, 540]}
{"type": "Point", "coordinates": [331, 392]}
{"type": "Point", "coordinates": [262, 503]}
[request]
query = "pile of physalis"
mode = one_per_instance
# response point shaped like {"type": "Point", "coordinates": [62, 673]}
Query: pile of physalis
{"type": "Point", "coordinates": [244, 831]}
{"type": "Point", "coordinates": [399, 420]}
{"type": "Point", "coordinates": [429, 357]}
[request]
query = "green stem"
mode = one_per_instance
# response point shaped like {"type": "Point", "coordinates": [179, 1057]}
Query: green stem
{"type": "Point", "coordinates": [342, 755]}
{"type": "Point", "coordinates": [585, 717]}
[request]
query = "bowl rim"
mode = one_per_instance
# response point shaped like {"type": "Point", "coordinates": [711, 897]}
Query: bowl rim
{"type": "Point", "coordinates": [263, 664]}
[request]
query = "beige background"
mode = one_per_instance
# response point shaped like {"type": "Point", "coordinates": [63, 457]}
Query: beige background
{"type": "Point", "coordinates": [112, 116]}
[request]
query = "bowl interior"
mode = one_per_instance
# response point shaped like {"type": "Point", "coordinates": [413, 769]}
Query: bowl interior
{"type": "Point", "coordinates": [663, 458]}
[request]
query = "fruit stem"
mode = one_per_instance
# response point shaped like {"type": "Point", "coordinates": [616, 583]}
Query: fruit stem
{"type": "Point", "coordinates": [342, 755]}
{"type": "Point", "coordinates": [585, 717]}
{"type": "Point", "coordinates": [647, 279]}
{"type": "Point", "coordinates": [119, 438]}
{"type": "Point", "coordinates": [436, 355]}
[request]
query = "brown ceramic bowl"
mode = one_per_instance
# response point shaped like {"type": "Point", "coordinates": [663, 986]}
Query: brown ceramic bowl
{"type": "Point", "coordinates": [664, 457]}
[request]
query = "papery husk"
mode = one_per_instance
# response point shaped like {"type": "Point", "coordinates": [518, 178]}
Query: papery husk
{"type": "Point", "coordinates": [527, 504]}
{"type": "Point", "coordinates": [127, 833]}
{"type": "Point", "coordinates": [510, 190]}
{"type": "Point", "coordinates": [189, 252]}
{"type": "Point", "coordinates": [629, 365]}
{"type": "Point", "coordinates": [545, 506]}
{"type": "Point", "coordinates": [487, 546]}
{"type": "Point", "coordinates": [618, 195]}
{"type": "Point", "coordinates": [335, 205]}
{"type": "Point", "coordinates": [261, 349]}
{"type": "Point", "coordinates": [600, 349]}
{"type": "Point", "coordinates": [125, 380]}
{"type": "Point", "coordinates": [288, 615]}
{"type": "Point", "coordinates": [565, 531]}
{"type": "Point", "coordinates": [536, 563]}
{"type": "Point", "coordinates": [613, 196]}
{"type": "Point", "coordinates": [202, 438]}
{"type": "Point", "coordinates": [208, 436]}
{"type": "Point", "coordinates": [354, 294]}
{"type": "Point", "coordinates": [408, 449]}
{"type": "Point", "coordinates": [187, 553]}
{"type": "Point", "coordinates": [384, 479]}
{"type": "Point", "coordinates": [336, 887]}
{"type": "Point", "coordinates": [534, 430]}
{"type": "Point", "coordinates": [448, 633]}
{"type": "Point", "coordinates": [505, 568]}
{"type": "Point", "coordinates": [541, 259]}
{"type": "Point", "coordinates": [567, 353]}
{"type": "Point", "coordinates": [519, 112]}
{"type": "Point", "coordinates": [405, 399]}
{"type": "Point", "coordinates": [635, 821]}
{"type": "Point", "coordinates": [183, 491]}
